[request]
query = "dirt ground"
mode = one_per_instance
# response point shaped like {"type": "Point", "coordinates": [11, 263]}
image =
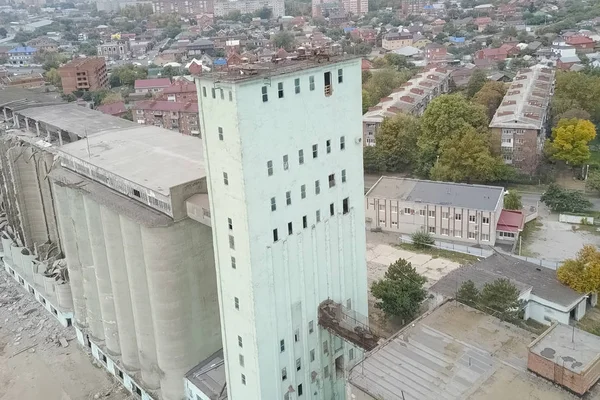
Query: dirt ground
{"type": "Point", "coordinates": [557, 241]}
{"type": "Point", "coordinates": [34, 365]}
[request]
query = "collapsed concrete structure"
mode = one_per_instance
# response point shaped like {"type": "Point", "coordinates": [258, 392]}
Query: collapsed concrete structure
{"type": "Point", "coordinates": [113, 197]}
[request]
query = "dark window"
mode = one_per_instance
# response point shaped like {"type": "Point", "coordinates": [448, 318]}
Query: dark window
{"type": "Point", "coordinates": [297, 85]}
{"type": "Point", "coordinates": [204, 91]}
{"type": "Point", "coordinates": [280, 90]}
{"type": "Point", "coordinates": [331, 209]}
{"type": "Point", "coordinates": [342, 142]}
{"type": "Point", "coordinates": [220, 133]}
{"type": "Point", "coordinates": [340, 75]}
{"type": "Point", "coordinates": [299, 389]}
{"type": "Point", "coordinates": [301, 157]}
{"type": "Point", "coordinates": [331, 180]}
{"type": "Point", "coordinates": [290, 228]}
{"type": "Point", "coordinates": [265, 96]}
{"type": "Point", "coordinates": [345, 206]}
{"type": "Point", "coordinates": [275, 235]}
{"type": "Point", "coordinates": [327, 79]}
{"type": "Point", "coordinates": [137, 193]}
{"type": "Point", "coordinates": [328, 143]}
{"type": "Point", "coordinates": [315, 149]}
{"type": "Point", "coordinates": [213, 92]}
{"type": "Point", "coordinates": [343, 176]}
{"type": "Point", "coordinates": [304, 222]}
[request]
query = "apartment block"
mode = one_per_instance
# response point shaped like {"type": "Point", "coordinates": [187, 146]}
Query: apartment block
{"type": "Point", "coordinates": [181, 91]}
{"type": "Point", "coordinates": [451, 211]}
{"type": "Point", "coordinates": [410, 98]}
{"type": "Point", "coordinates": [83, 74]}
{"type": "Point", "coordinates": [178, 116]}
{"type": "Point", "coordinates": [396, 40]}
{"type": "Point", "coordinates": [224, 7]}
{"type": "Point", "coordinates": [183, 6]}
{"type": "Point", "coordinates": [288, 222]}
{"type": "Point", "coordinates": [521, 121]}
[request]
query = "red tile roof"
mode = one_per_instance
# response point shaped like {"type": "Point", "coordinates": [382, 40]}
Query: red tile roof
{"type": "Point", "coordinates": [510, 221]}
{"type": "Point", "coordinates": [180, 86]}
{"type": "Point", "coordinates": [161, 105]}
{"type": "Point", "coordinates": [113, 108]}
{"type": "Point", "coordinates": [579, 40]}
{"type": "Point", "coordinates": [152, 83]}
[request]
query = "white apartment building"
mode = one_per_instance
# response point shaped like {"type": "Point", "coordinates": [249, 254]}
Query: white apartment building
{"type": "Point", "coordinates": [224, 7]}
{"type": "Point", "coordinates": [285, 181]}
{"type": "Point", "coordinates": [448, 211]}
{"type": "Point", "coordinates": [410, 98]}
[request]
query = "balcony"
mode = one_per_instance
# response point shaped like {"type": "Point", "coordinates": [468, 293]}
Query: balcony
{"type": "Point", "coordinates": [347, 324]}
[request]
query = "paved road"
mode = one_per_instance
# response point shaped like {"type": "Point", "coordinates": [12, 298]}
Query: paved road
{"type": "Point", "coordinates": [531, 198]}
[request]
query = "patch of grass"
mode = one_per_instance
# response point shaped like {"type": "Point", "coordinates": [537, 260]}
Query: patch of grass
{"type": "Point", "coordinates": [533, 326]}
{"type": "Point", "coordinates": [590, 322]}
{"type": "Point", "coordinates": [593, 229]}
{"type": "Point", "coordinates": [527, 235]}
{"type": "Point", "coordinates": [440, 253]}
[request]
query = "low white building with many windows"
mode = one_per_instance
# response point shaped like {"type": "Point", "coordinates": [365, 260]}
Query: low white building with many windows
{"type": "Point", "coordinates": [448, 211]}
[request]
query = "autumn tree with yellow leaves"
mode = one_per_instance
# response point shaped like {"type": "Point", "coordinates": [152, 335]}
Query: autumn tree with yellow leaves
{"type": "Point", "coordinates": [582, 273]}
{"type": "Point", "coordinates": [570, 140]}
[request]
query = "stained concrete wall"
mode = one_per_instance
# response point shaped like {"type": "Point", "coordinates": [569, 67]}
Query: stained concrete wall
{"type": "Point", "coordinates": [157, 283]}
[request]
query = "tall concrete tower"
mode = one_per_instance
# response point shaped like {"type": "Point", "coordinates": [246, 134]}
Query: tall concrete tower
{"type": "Point", "coordinates": [283, 154]}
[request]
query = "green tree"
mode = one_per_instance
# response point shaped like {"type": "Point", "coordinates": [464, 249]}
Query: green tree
{"type": "Point", "coordinates": [444, 117]}
{"type": "Point", "coordinates": [468, 294]}
{"type": "Point", "coordinates": [284, 39]}
{"type": "Point", "coordinates": [111, 97]}
{"type": "Point", "coordinates": [593, 181]}
{"type": "Point", "coordinates": [570, 140]}
{"type": "Point", "coordinates": [466, 157]}
{"type": "Point", "coordinates": [89, 49]}
{"type": "Point", "coordinates": [126, 75]}
{"type": "Point", "coordinates": [512, 200]}
{"type": "Point", "coordinates": [397, 141]}
{"type": "Point", "coordinates": [3, 32]}
{"type": "Point", "coordinates": [422, 240]}
{"type": "Point", "coordinates": [382, 83]}
{"type": "Point", "coordinates": [476, 82]}
{"type": "Point", "coordinates": [501, 299]}
{"type": "Point", "coordinates": [170, 72]}
{"type": "Point", "coordinates": [490, 96]}
{"type": "Point", "coordinates": [401, 291]}
{"type": "Point", "coordinates": [562, 200]}
{"type": "Point", "coordinates": [171, 31]}
{"type": "Point", "coordinates": [583, 272]}
{"type": "Point", "coordinates": [373, 161]}
{"type": "Point", "coordinates": [52, 76]}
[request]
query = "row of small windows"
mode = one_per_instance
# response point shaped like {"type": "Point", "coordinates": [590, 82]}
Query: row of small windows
{"type": "Point", "coordinates": [288, 194]}
{"type": "Point", "coordinates": [297, 87]}
{"type": "Point", "coordinates": [431, 214]}
{"type": "Point", "coordinates": [213, 93]}
{"type": "Point", "coordinates": [290, 225]}
{"type": "Point", "coordinates": [315, 154]}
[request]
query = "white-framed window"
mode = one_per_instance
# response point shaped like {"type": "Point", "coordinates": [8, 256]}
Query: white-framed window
{"type": "Point", "coordinates": [286, 163]}
{"type": "Point", "coordinates": [472, 218]}
{"type": "Point", "coordinates": [445, 215]}
{"type": "Point", "coordinates": [432, 229]}
{"type": "Point", "coordinates": [394, 224]}
{"type": "Point", "coordinates": [485, 237]}
{"type": "Point", "coordinates": [431, 214]}
{"type": "Point", "coordinates": [236, 303]}
{"type": "Point", "coordinates": [311, 82]}
{"type": "Point", "coordinates": [485, 220]}
{"type": "Point", "coordinates": [471, 235]}
{"type": "Point", "coordinates": [280, 90]}
{"type": "Point", "coordinates": [317, 187]}
{"type": "Point", "coordinates": [315, 150]}
{"type": "Point", "coordinates": [343, 176]}
{"type": "Point", "coordinates": [303, 191]}
{"type": "Point", "coordinates": [269, 168]}
{"type": "Point", "coordinates": [394, 208]}
{"type": "Point", "coordinates": [288, 198]}
{"type": "Point", "coordinates": [273, 204]}
{"type": "Point", "coordinates": [243, 379]}
{"type": "Point", "coordinates": [407, 211]}
{"type": "Point", "coordinates": [458, 217]}
{"type": "Point", "coordinates": [458, 233]}
{"type": "Point", "coordinates": [445, 231]}
{"type": "Point", "coordinates": [422, 213]}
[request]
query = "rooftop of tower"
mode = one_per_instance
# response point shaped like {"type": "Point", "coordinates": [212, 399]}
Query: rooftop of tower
{"type": "Point", "coordinates": [299, 62]}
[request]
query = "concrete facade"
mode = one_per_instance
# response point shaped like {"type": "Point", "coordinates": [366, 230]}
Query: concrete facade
{"type": "Point", "coordinates": [288, 222]}
{"type": "Point", "coordinates": [392, 206]}
{"type": "Point", "coordinates": [224, 7]}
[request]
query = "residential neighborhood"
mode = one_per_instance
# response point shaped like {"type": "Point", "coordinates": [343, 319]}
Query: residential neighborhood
{"type": "Point", "coordinates": [300, 200]}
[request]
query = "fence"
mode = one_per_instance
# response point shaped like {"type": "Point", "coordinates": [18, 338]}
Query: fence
{"type": "Point", "coordinates": [485, 253]}
{"type": "Point", "coordinates": [459, 248]}
{"type": "Point", "coordinates": [576, 219]}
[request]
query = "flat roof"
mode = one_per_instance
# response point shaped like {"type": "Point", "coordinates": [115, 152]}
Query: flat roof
{"type": "Point", "coordinates": [480, 197]}
{"type": "Point", "coordinates": [568, 346]}
{"type": "Point", "coordinates": [75, 119]}
{"type": "Point", "coordinates": [152, 157]}
{"type": "Point", "coordinates": [17, 98]}
{"type": "Point", "coordinates": [261, 70]}
{"type": "Point", "coordinates": [524, 275]}
{"type": "Point", "coordinates": [209, 376]}
{"type": "Point", "coordinates": [453, 353]}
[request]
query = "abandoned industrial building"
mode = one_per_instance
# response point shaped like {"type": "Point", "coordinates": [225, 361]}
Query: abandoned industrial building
{"type": "Point", "coordinates": [112, 225]}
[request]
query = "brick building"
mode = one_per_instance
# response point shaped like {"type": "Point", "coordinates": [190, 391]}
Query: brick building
{"type": "Point", "coordinates": [435, 53]}
{"type": "Point", "coordinates": [178, 116]}
{"type": "Point", "coordinates": [582, 44]}
{"type": "Point", "coordinates": [181, 91]}
{"type": "Point", "coordinates": [151, 85]}
{"type": "Point", "coordinates": [83, 74]}
{"type": "Point", "coordinates": [521, 120]}
{"type": "Point", "coordinates": [567, 356]}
